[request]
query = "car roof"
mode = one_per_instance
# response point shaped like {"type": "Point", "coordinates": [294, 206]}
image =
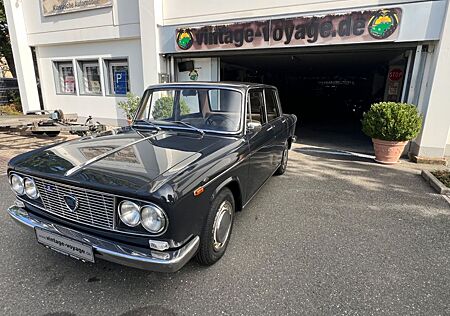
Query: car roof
{"type": "Point", "coordinates": [211, 84]}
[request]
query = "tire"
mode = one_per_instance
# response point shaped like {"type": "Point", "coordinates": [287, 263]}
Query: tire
{"type": "Point", "coordinates": [52, 134]}
{"type": "Point", "coordinates": [37, 133]}
{"type": "Point", "coordinates": [284, 160]}
{"type": "Point", "coordinates": [214, 241]}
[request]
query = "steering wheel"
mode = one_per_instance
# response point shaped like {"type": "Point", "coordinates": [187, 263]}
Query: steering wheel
{"type": "Point", "coordinates": [217, 120]}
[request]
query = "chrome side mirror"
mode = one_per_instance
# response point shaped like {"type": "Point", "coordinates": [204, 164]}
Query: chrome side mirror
{"type": "Point", "coordinates": [253, 126]}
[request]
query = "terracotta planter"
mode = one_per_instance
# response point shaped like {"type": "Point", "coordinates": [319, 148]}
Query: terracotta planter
{"type": "Point", "coordinates": [388, 152]}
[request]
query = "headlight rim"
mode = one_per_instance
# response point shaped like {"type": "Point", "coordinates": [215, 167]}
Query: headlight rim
{"type": "Point", "coordinates": [35, 187]}
{"type": "Point", "coordinates": [164, 216]}
{"type": "Point", "coordinates": [119, 211]}
{"type": "Point", "coordinates": [21, 181]}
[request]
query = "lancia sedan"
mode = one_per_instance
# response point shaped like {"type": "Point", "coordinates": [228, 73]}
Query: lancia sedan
{"type": "Point", "coordinates": [163, 190]}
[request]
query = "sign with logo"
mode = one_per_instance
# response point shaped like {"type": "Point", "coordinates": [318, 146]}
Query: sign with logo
{"type": "Point", "coordinates": [353, 27]}
{"type": "Point", "coordinates": [54, 7]}
{"type": "Point", "coordinates": [120, 82]}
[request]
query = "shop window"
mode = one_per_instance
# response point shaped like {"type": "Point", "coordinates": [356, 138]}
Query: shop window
{"type": "Point", "coordinates": [90, 78]}
{"type": "Point", "coordinates": [65, 81]}
{"type": "Point", "coordinates": [118, 77]}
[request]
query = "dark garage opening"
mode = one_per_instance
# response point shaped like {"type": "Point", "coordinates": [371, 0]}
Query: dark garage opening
{"type": "Point", "coordinates": [327, 91]}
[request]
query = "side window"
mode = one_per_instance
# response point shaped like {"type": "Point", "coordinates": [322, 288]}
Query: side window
{"type": "Point", "coordinates": [271, 104]}
{"type": "Point", "coordinates": [257, 106]}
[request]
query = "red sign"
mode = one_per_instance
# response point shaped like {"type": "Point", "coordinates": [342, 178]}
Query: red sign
{"type": "Point", "coordinates": [395, 74]}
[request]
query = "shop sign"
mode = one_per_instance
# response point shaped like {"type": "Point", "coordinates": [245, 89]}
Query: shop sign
{"type": "Point", "coordinates": [54, 7]}
{"type": "Point", "coordinates": [353, 27]}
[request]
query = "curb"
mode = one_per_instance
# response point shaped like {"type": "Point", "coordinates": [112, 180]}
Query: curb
{"type": "Point", "coordinates": [435, 183]}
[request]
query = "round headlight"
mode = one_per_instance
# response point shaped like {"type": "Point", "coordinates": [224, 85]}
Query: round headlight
{"type": "Point", "coordinates": [30, 188]}
{"type": "Point", "coordinates": [153, 219]}
{"type": "Point", "coordinates": [129, 213]}
{"type": "Point", "coordinates": [17, 185]}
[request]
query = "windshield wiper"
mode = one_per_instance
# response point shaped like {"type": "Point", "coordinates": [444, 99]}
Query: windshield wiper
{"type": "Point", "coordinates": [148, 123]}
{"type": "Point", "coordinates": [190, 126]}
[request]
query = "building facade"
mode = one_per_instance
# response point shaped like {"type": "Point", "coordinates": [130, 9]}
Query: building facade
{"type": "Point", "coordinates": [329, 59]}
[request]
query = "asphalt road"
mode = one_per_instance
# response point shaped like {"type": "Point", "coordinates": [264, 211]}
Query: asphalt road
{"type": "Point", "coordinates": [332, 236]}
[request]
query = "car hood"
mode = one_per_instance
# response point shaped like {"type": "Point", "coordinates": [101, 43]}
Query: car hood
{"type": "Point", "coordinates": [124, 160]}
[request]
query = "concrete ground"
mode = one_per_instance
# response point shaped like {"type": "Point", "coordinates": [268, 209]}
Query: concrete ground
{"type": "Point", "coordinates": [337, 234]}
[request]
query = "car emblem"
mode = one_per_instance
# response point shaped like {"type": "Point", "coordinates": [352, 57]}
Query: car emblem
{"type": "Point", "coordinates": [71, 202]}
{"type": "Point", "coordinates": [49, 188]}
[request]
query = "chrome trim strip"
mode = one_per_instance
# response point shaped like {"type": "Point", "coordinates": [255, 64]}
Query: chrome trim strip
{"type": "Point", "coordinates": [136, 257]}
{"type": "Point", "coordinates": [104, 155]}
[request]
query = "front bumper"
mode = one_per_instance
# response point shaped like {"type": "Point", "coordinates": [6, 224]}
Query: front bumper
{"type": "Point", "coordinates": [159, 261]}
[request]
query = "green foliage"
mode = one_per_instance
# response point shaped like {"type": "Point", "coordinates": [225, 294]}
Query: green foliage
{"type": "Point", "coordinates": [392, 121]}
{"type": "Point", "coordinates": [130, 106]}
{"type": "Point", "coordinates": [163, 108]}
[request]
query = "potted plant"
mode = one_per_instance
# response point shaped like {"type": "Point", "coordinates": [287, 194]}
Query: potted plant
{"type": "Point", "coordinates": [130, 105]}
{"type": "Point", "coordinates": [391, 125]}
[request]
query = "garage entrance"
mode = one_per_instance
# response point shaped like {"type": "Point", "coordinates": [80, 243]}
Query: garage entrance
{"type": "Point", "coordinates": [328, 91]}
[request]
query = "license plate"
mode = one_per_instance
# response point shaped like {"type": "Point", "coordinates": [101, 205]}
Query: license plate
{"type": "Point", "coordinates": [64, 245]}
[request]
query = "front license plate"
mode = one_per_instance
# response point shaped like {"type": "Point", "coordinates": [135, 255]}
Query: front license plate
{"type": "Point", "coordinates": [65, 245]}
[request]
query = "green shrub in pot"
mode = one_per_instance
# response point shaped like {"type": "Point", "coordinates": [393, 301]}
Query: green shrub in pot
{"type": "Point", "coordinates": [391, 125]}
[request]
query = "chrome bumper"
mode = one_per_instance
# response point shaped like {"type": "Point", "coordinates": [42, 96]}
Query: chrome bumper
{"type": "Point", "coordinates": [159, 261]}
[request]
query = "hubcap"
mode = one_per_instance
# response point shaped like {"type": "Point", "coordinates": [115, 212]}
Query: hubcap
{"type": "Point", "coordinates": [222, 225]}
{"type": "Point", "coordinates": [285, 158]}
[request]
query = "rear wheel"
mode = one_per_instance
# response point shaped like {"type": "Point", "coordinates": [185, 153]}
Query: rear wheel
{"type": "Point", "coordinates": [217, 230]}
{"type": "Point", "coordinates": [284, 160]}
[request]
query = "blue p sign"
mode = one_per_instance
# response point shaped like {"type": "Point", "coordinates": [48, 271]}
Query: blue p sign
{"type": "Point", "coordinates": [120, 82]}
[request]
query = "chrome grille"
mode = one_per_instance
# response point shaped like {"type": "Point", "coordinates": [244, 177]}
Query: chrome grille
{"type": "Point", "coordinates": [94, 208]}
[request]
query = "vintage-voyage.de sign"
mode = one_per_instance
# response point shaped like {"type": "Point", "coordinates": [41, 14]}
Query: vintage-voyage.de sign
{"type": "Point", "coordinates": [54, 7]}
{"type": "Point", "coordinates": [353, 27]}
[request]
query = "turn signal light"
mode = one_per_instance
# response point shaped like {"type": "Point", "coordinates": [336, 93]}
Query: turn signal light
{"type": "Point", "coordinates": [199, 191]}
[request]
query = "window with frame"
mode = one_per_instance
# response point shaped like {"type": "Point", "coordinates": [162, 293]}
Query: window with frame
{"type": "Point", "coordinates": [118, 77]}
{"type": "Point", "coordinates": [90, 73]}
{"type": "Point", "coordinates": [271, 104]}
{"type": "Point", "coordinates": [257, 106]}
{"type": "Point", "coordinates": [65, 83]}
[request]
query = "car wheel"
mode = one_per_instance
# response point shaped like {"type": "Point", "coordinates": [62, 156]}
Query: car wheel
{"type": "Point", "coordinates": [37, 133]}
{"type": "Point", "coordinates": [217, 230]}
{"type": "Point", "coordinates": [284, 160]}
{"type": "Point", "coordinates": [52, 134]}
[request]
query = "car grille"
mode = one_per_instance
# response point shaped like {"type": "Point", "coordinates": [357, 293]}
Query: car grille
{"type": "Point", "coordinates": [94, 208]}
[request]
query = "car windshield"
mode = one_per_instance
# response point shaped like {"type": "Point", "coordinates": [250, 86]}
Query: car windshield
{"type": "Point", "coordinates": [199, 109]}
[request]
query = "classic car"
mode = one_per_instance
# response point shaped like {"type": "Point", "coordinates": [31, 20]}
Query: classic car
{"type": "Point", "coordinates": [155, 194]}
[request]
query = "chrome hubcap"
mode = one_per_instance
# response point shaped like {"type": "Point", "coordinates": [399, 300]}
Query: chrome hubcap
{"type": "Point", "coordinates": [222, 225]}
{"type": "Point", "coordinates": [285, 158]}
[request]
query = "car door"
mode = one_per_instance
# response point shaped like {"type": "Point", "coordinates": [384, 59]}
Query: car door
{"type": "Point", "coordinates": [276, 121]}
{"type": "Point", "coordinates": [260, 142]}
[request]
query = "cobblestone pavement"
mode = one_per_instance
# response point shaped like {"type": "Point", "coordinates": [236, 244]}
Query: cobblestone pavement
{"type": "Point", "coordinates": [12, 144]}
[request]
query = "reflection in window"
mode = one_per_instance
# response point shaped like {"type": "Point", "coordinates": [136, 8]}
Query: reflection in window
{"type": "Point", "coordinates": [91, 78]}
{"type": "Point", "coordinates": [66, 78]}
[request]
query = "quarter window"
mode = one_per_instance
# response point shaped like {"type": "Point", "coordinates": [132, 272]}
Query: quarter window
{"type": "Point", "coordinates": [91, 83]}
{"type": "Point", "coordinates": [65, 83]}
{"type": "Point", "coordinates": [271, 104]}
{"type": "Point", "coordinates": [257, 106]}
{"type": "Point", "coordinates": [119, 81]}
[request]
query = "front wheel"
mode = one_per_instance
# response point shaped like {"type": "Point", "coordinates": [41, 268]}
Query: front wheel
{"type": "Point", "coordinates": [217, 230]}
{"type": "Point", "coordinates": [284, 160]}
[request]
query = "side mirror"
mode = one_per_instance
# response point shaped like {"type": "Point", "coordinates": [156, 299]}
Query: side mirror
{"type": "Point", "coordinates": [253, 126]}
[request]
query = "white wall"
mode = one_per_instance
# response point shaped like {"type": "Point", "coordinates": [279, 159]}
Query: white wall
{"type": "Point", "coordinates": [208, 69]}
{"type": "Point", "coordinates": [199, 11]}
{"type": "Point", "coordinates": [119, 21]}
{"type": "Point", "coordinates": [103, 108]}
